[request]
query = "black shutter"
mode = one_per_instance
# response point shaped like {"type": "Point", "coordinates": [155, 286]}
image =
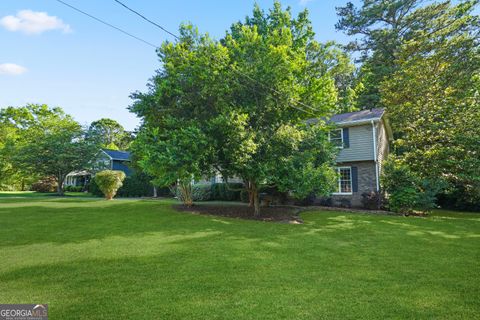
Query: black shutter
{"type": "Point", "coordinates": [354, 179]}
{"type": "Point", "coordinates": [346, 138]}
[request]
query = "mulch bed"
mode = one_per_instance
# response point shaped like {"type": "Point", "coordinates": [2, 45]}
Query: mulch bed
{"type": "Point", "coordinates": [351, 210]}
{"type": "Point", "coordinates": [284, 214]}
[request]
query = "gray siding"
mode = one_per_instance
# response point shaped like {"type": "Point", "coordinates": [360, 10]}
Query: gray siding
{"type": "Point", "coordinates": [382, 144]}
{"type": "Point", "coordinates": [361, 145]}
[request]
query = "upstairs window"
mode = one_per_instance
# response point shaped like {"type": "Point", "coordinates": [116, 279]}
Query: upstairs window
{"type": "Point", "coordinates": [336, 137]}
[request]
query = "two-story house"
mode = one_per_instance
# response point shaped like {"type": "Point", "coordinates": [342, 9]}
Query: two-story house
{"type": "Point", "coordinates": [363, 139]}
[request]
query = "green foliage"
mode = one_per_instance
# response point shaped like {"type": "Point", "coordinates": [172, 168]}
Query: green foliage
{"type": "Point", "coordinates": [434, 97]}
{"type": "Point", "coordinates": [224, 192]}
{"type": "Point", "coordinates": [421, 61]}
{"type": "Point", "coordinates": [201, 192]}
{"type": "Point", "coordinates": [372, 200]}
{"type": "Point", "coordinates": [46, 184]}
{"type": "Point", "coordinates": [139, 185]}
{"type": "Point", "coordinates": [46, 142]}
{"type": "Point", "coordinates": [93, 189]}
{"type": "Point", "coordinates": [205, 114]}
{"type": "Point", "coordinates": [188, 266]}
{"type": "Point", "coordinates": [109, 181]}
{"type": "Point", "coordinates": [379, 28]}
{"type": "Point", "coordinates": [406, 191]}
{"type": "Point", "coordinates": [109, 134]}
{"type": "Point", "coordinates": [13, 122]}
{"type": "Point", "coordinates": [73, 188]}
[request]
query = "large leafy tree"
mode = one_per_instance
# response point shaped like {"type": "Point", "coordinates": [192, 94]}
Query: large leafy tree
{"type": "Point", "coordinates": [49, 143]}
{"type": "Point", "coordinates": [12, 121]}
{"type": "Point", "coordinates": [172, 146]}
{"type": "Point", "coordinates": [379, 29]}
{"type": "Point", "coordinates": [292, 83]}
{"type": "Point", "coordinates": [242, 106]}
{"type": "Point", "coordinates": [109, 134]}
{"type": "Point", "coordinates": [434, 97]}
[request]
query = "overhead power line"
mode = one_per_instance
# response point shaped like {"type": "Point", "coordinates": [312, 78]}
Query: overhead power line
{"type": "Point", "coordinates": [148, 20]}
{"type": "Point", "coordinates": [235, 70]}
{"type": "Point", "coordinates": [108, 24]}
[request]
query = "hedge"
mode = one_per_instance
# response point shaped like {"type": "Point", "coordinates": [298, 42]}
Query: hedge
{"type": "Point", "coordinates": [136, 185]}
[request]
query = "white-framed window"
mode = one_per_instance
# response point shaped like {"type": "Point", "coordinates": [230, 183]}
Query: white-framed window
{"type": "Point", "coordinates": [336, 137]}
{"type": "Point", "coordinates": [344, 180]}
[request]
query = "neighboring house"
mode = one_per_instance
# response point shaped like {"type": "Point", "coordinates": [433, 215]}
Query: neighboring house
{"type": "Point", "coordinates": [363, 139]}
{"type": "Point", "coordinates": [106, 160]}
{"type": "Point", "coordinates": [117, 160]}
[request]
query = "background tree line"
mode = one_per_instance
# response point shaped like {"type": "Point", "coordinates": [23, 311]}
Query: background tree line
{"type": "Point", "coordinates": [37, 141]}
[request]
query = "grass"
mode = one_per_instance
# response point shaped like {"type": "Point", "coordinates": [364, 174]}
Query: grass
{"type": "Point", "coordinates": [139, 259]}
{"type": "Point", "coordinates": [34, 194]}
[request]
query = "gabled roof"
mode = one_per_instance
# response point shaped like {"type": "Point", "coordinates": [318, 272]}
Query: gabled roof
{"type": "Point", "coordinates": [117, 154]}
{"type": "Point", "coordinates": [352, 118]}
{"type": "Point", "coordinates": [358, 116]}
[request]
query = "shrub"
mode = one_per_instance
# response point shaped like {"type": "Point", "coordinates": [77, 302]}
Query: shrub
{"type": "Point", "coordinates": [93, 189]}
{"type": "Point", "coordinates": [326, 201]}
{"type": "Point", "coordinates": [461, 196]}
{"type": "Point", "coordinates": [46, 184]}
{"type": "Point", "coordinates": [136, 185]}
{"type": "Point", "coordinates": [224, 192]}
{"type": "Point", "coordinates": [407, 191]}
{"type": "Point", "coordinates": [277, 196]}
{"type": "Point", "coordinates": [307, 201]}
{"type": "Point", "coordinates": [73, 188]}
{"type": "Point", "coordinates": [344, 203]}
{"type": "Point", "coordinates": [372, 200]}
{"type": "Point", "coordinates": [201, 192]}
{"type": "Point", "coordinates": [109, 181]}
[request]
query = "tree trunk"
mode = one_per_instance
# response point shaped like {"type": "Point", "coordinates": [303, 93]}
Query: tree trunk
{"type": "Point", "coordinates": [255, 198]}
{"type": "Point", "coordinates": [60, 179]}
{"type": "Point", "coordinates": [186, 192]}
{"type": "Point", "coordinates": [248, 186]}
{"type": "Point", "coordinates": [256, 203]}
{"type": "Point", "coordinates": [155, 195]}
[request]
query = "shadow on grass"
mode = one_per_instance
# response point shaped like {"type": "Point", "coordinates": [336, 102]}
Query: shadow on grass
{"type": "Point", "coordinates": [76, 220]}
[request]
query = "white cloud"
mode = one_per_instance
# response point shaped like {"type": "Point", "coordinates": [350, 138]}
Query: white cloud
{"type": "Point", "coordinates": [12, 69]}
{"type": "Point", "coordinates": [304, 2]}
{"type": "Point", "coordinates": [33, 22]}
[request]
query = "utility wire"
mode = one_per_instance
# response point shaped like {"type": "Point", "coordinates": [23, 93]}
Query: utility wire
{"type": "Point", "coordinates": [146, 19]}
{"type": "Point", "coordinates": [108, 24]}
{"type": "Point", "coordinates": [233, 68]}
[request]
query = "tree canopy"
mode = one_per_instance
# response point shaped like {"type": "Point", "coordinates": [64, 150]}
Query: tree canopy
{"type": "Point", "coordinates": [109, 134]}
{"type": "Point", "coordinates": [239, 106]}
{"type": "Point", "coordinates": [47, 142]}
{"type": "Point", "coordinates": [434, 97]}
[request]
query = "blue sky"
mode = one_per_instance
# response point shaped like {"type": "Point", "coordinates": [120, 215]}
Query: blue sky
{"type": "Point", "coordinates": [89, 69]}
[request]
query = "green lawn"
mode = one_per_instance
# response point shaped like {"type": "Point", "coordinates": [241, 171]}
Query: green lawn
{"type": "Point", "coordinates": [33, 194]}
{"type": "Point", "coordinates": [139, 259]}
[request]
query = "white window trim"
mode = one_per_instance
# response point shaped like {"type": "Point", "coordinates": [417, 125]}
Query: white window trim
{"type": "Point", "coordinates": [340, 182]}
{"type": "Point", "coordinates": [341, 134]}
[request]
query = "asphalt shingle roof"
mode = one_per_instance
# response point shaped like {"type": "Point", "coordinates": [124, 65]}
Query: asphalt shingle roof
{"type": "Point", "coordinates": [358, 116]}
{"type": "Point", "coordinates": [118, 155]}
{"type": "Point", "coordinates": [363, 115]}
